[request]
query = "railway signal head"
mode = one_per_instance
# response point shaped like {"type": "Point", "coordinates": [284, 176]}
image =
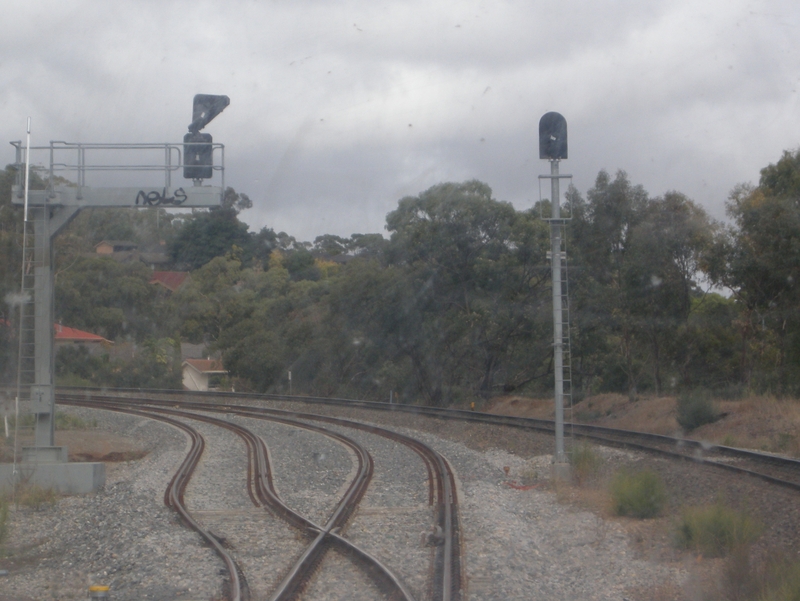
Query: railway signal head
{"type": "Point", "coordinates": [204, 108]}
{"type": "Point", "coordinates": [198, 152]}
{"type": "Point", "coordinates": [552, 136]}
{"type": "Point", "coordinates": [198, 156]}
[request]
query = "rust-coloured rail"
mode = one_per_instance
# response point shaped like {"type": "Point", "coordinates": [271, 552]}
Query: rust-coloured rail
{"type": "Point", "coordinates": [262, 491]}
{"type": "Point", "coordinates": [447, 573]}
{"type": "Point", "coordinates": [173, 496]}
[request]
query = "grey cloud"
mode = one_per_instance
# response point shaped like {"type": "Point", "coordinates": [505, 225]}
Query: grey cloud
{"type": "Point", "coordinates": [338, 110]}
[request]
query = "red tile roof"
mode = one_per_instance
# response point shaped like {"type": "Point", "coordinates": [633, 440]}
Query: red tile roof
{"type": "Point", "coordinates": [171, 280]}
{"type": "Point", "coordinates": [65, 334]}
{"type": "Point", "coordinates": [206, 366]}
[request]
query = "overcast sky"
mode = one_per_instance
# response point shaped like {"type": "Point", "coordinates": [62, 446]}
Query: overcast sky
{"type": "Point", "coordinates": [339, 109]}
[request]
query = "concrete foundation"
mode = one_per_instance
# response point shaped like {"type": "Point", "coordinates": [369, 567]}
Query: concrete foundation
{"type": "Point", "coordinates": [561, 471]}
{"type": "Point", "coordinates": [48, 467]}
{"type": "Point", "coordinates": [45, 455]}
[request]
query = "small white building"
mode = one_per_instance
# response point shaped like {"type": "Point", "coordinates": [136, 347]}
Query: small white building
{"type": "Point", "coordinates": [202, 374]}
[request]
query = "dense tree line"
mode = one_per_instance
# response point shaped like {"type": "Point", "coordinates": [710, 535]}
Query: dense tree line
{"type": "Point", "coordinates": [456, 304]}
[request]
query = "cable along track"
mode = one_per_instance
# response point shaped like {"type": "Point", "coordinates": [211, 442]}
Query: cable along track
{"type": "Point", "coordinates": [446, 581]}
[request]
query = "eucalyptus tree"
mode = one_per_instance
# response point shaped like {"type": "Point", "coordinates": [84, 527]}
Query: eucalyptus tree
{"type": "Point", "coordinates": [761, 264]}
{"type": "Point", "coordinates": [640, 261]}
{"type": "Point", "coordinates": [213, 233]}
{"type": "Point", "coordinates": [475, 296]}
{"type": "Point", "coordinates": [607, 342]}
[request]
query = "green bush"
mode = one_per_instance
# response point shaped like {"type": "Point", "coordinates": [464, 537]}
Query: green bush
{"type": "Point", "coordinates": [715, 530]}
{"type": "Point", "coordinates": [26, 420]}
{"type": "Point", "coordinates": [696, 409]}
{"type": "Point", "coordinates": [585, 461]}
{"type": "Point", "coordinates": [65, 421]}
{"type": "Point", "coordinates": [639, 495]}
{"type": "Point", "coordinates": [783, 582]}
{"type": "Point", "coordinates": [36, 497]}
{"type": "Point", "coordinates": [3, 518]}
{"type": "Point", "coordinates": [774, 577]}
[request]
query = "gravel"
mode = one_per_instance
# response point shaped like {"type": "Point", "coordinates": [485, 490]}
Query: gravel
{"type": "Point", "coordinates": [518, 543]}
{"type": "Point", "coordinates": [123, 536]}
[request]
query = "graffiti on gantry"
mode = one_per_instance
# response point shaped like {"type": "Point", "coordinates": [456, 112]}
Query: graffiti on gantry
{"type": "Point", "coordinates": [154, 198]}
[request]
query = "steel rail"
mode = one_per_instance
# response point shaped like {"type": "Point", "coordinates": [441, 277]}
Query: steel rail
{"type": "Point", "coordinates": [611, 436]}
{"type": "Point", "coordinates": [447, 571]}
{"type": "Point", "coordinates": [546, 426]}
{"type": "Point", "coordinates": [447, 568]}
{"type": "Point", "coordinates": [174, 494]}
{"type": "Point", "coordinates": [260, 479]}
{"type": "Point", "coordinates": [626, 439]}
{"type": "Point", "coordinates": [270, 496]}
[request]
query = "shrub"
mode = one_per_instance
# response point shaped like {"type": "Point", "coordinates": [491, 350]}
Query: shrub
{"type": "Point", "coordinates": [639, 495]}
{"type": "Point", "coordinates": [65, 421]}
{"type": "Point", "coordinates": [730, 392]}
{"type": "Point", "coordinates": [715, 530]}
{"type": "Point", "coordinates": [585, 461]}
{"type": "Point", "coordinates": [696, 409]}
{"type": "Point", "coordinates": [26, 420]}
{"type": "Point", "coordinates": [3, 518]}
{"type": "Point", "coordinates": [783, 582]}
{"type": "Point", "coordinates": [35, 496]}
{"type": "Point", "coordinates": [528, 473]}
{"type": "Point", "coordinates": [588, 415]}
{"type": "Point", "coordinates": [775, 577]}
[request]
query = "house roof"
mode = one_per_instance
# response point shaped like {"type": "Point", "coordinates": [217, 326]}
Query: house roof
{"type": "Point", "coordinates": [171, 280]}
{"type": "Point", "coordinates": [67, 334]}
{"type": "Point", "coordinates": [206, 366]}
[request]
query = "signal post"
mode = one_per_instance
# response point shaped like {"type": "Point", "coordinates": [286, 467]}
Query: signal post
{"type": "Point", "coordinates": [46, 213]}
{"type": "Point", "coordinates": [553, 147]}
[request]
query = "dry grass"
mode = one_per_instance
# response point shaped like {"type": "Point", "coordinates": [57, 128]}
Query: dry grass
{"type": "Point", "coordinates": [585, 462]}
{"type": "Point", "coordinates": [640, 495]}
{"type": "Point", "coordinates": [760, 422]}
{"type": "Point", "coordinates": [4, 504]}
{"type": "Point", "coordinates": [615, 410]}
{"type": "Point", "coordinates": [764, 423]}
{"type": "Point", "coordinates": [716, 530]}
{"type": "Point", "coordinates": [757, 422]}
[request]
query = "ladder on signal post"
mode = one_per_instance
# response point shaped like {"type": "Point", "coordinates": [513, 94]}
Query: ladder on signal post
{"type": "Point", "coordinates": [26, 361]}
{"type": "Point", "coordinates": [565, 325]}
{"type": "Point", "coordinates": [563, 297]}
{"type": "Point", "coordinates": [35, 363]}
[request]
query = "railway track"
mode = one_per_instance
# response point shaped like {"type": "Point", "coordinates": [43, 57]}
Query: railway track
{"type": "Point", "coordinates": [508, 557]}
{"type": "Point", "coordinates": [446, 569]}
{"type": "Point", "coordinates": [176, 489]}
{"type": "Point", "coordinates": [775, 469]}
{"type": "Point", "coordinates": [778, 470]}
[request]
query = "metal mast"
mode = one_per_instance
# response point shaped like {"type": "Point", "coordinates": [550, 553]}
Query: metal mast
{"type": "Point", "coordinates": [558, 330]}
{"type": "Point", "coordinates": [553, 147]}
{"type": "Point", "coordinates": [46, 213]}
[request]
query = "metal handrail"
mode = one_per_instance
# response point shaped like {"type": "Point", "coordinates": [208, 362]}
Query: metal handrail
{"type": "Point", "coordinates": [168, 166]}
